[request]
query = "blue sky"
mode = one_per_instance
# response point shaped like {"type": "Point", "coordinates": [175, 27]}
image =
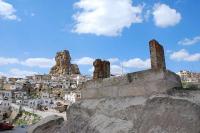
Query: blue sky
{"type": "Point", "coordinates": [32, 31]}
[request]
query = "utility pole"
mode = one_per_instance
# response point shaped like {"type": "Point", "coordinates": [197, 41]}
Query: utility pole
{"type": "Point", "coordinates": [122, 68]}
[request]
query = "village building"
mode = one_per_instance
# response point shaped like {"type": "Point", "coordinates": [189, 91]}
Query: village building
{"type": "Point", "coordinates": [72, 97]}
{"type": "Point", "coordinates": [3, 80]}
{"type": "Point", "coordinates": [189, 77]}
{"type": "Point", "coordinates": [5, 94]}
{"type": "Point", "coordinates": [5, 109]}
{"type": "Point", "coordinates": [44, 77]}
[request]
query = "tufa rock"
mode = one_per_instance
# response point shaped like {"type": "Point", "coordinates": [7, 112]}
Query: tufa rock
{"type": "Point", "coordinates": [75, 69]}
{"type": "Point", "coordinates": [43, 125]}
{"type": "Point", "coordinates": [157, 56]}
{"type": "Point", "coordinates": [101, 69]}
{"type": "Point", "coordinates": [63, 65]}
{"type": "Point", "coordinates": [163, 113]}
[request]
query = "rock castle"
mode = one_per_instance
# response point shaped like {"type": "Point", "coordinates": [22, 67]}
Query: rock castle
{"type": "Point", "coordinates": [63, 65]}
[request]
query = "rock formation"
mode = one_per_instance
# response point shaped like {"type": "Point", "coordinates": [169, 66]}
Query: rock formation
{"type": "Point", "coordinates": [46, 123]}
{"type": "Point", "coordinates": [63, 65]}
{"type": "Point", "coordinates": [75, 69]}
{"type": "Point", "coordinates": [157, 55]}
{"type": "Point", "coordinates": [175, 111]}
{"type": "Point", "coordinates": [178, 112]}
{"type": "Point", "coordinates": [101, 69]}
{"type": "Point", "coordinates": [149, 101]}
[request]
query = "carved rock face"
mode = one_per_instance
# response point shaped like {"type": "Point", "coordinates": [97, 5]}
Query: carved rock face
{"type": "Point", "coordinates": [63, 65]}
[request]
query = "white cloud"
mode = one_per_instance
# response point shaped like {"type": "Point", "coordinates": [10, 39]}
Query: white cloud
{"type": "Point", "coordinates": [7, 11]}
{"type": "Point", "coordinates": [39, 62]}
{"type": "Point", "coordinates": [31, 62]}
{"type": "Point", "coordinates": [184, 55]}
{"type": "Point", "coordinates": [15, 72]}
{"type": "Point", "coordinates": [106, 17]}
{"type": "Point", "coordinates": [116, 70]}
{"type": "Point", "coordinates": [84, 61]}
{"type": "Point", "coordinates": [137, 63]}
{"type": "Point", "coordinates": [113, 60]}
{"type": "Point", "coordinates": [2, 74]}
{"type": "Point", "coordinates": [164, 16]}
{"type": "Point", "coordinates": [117, 67]}
{"type": "Point", "coordinates": [188, 41]}
{"type": "Point", "coordinates": [6, 61]}
{"type": "Point", "coordinates": [20, 73]}
{"type": "Point", "coordinates": [90, 60]}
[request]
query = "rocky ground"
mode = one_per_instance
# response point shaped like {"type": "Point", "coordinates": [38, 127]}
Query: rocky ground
{"type": "Point", "coordinates": [173, 112]}
{"type": "Point", "coordinates": [16, 130]}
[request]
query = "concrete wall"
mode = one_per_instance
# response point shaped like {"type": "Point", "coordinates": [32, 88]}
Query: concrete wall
{"type": "Point", "coordinates": [143, 83]}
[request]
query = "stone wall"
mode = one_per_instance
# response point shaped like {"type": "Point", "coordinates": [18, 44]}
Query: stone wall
{"type": "Point", "coordinates": [143, 83]}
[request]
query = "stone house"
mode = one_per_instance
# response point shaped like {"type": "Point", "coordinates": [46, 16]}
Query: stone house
{"type": "Point", "coordinates": [189, 77]}
{"type": "Point", "coordinates": [5, 94]}
{"type": "Point", "coordinates": [41, 77]}
{"type": "Point", "coordinates": [43, 101]}
{"type": "Point", "coordinates": [19, 94]}
{"type": "Point", "coordinates": [72, 97]}
{"type": "Point", "coordinates": [5, 108]}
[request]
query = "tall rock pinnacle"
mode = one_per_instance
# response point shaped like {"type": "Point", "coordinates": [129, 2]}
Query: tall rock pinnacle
{"type": "Point", "coordinates": [63, 64]}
